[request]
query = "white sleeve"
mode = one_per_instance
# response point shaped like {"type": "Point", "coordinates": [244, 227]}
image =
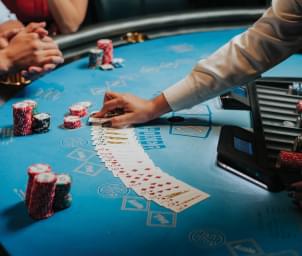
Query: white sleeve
{"type": "Point", "coordinates": [5, 14]}
{"type": "Point", "coordinates": [273, 38]}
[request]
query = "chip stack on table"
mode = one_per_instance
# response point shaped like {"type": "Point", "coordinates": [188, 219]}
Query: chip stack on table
{"type": "Point", "coordinates": [32, 171]}
{"type": "Point", "coordinates": [289, 160]}
{"type": "Point", "coordinates": [42, 196]}
{"type": "Point", "coordinates": [27, 120]}
{"type": "Point", "coordinates": [95, 58]}
{"type": "Point", "coordinates": [22, 115]}
{"type": "Point", "coordinates": [41, 123]}
{"type": "Point", "coordinates": [62, 198]}
{"type": "Point", "coordinates": [107, 47]}
{"type": "Point", "coordinates": [122, 154]}
{"type": "Point", "coordinates": [46, 192]}
{"type": "Point", "coordinates": [72, 122]}
{"type": "Point", "coordinates": [76, 112]}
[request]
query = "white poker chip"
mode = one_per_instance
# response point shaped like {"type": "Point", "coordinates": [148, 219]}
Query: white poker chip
{"type": "Point", "coordinates": [39, 168]}
{"type": "Point", "coordinates": [20, 105]}
{"type": "Point", "coordinates": [63, 179]}
{"type": "Point", "coordinates": [118, 60]}
{"type": "Point", "coordinates": [42, 116]}
{"type": "Point", "coordinates": [86, 104]}
{"type": "Point", "coordinates": [32, 103]}
{"type": "Point", "coordinates": [47, 177]}
{"type": "Point", "coordinates": [106, 67]}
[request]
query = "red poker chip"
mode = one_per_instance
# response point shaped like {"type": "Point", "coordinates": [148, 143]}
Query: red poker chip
{"type": "Point", "coordinates": [22, 116]}
{"type": "Point", "coordinates": [78, 110]}
{"type": "Point", "coordinates": [299, 106]}
{"type": "Point", "coordinates": [72, 122]}
{"type": "Point", "coordinates": [107, 47]}
{"type": "Point", "coordinates": [32, 171]}
{"type": "Point", "coordinates": [42, 196]}
{"type": "Point", "coordinates": [288, 159]}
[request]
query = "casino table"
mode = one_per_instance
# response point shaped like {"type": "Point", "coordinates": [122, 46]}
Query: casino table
{"type": "Point", "coordinates": [107, 218]}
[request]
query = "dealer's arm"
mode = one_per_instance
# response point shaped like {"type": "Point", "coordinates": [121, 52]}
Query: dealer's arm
{"type": "Point", "coordinates": [273, 38]}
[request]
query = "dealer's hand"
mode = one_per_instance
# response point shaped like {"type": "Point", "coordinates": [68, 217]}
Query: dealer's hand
{"type": "Point", "coordinates": [136, 110]}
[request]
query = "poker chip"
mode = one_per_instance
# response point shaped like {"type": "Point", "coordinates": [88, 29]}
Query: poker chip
{"type": "Point", "coordinates": [106, 67]}
{"type": "Point", "coordinates": [107, 47]}
{"type": "Point", "coordinates": [78, 110]}
{"type": "Point", "coordinates": [299, 107]}
{"type": "Point", "coordinates": [63, 203]}
{"type": "Point", "coordinates": [33, 104]}
{"type": "Point", "coordinates": [41, 123]}
{"type": "Point", "coordinates": [72, 122]}
{"type": "Point", "coordinates": [42, 196]}
{"type": "Point", "coordinates": [22, 116]}
{"type": "Point", "coordinates": [95, 57]}
{"type": "Point", "coordinates": [297, 147]}
{"type": "Point", "coordinates": [290, 160]}
{"type": "Point", "coordinates": [62, 198]}
{"type": "Point", "coordinates": [118, 62]}
{"type": "Point", "coordinates": [32, 171]}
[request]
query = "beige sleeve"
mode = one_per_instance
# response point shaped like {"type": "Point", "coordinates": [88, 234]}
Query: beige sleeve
{"type": "Point", "coordinates": [273, 38]}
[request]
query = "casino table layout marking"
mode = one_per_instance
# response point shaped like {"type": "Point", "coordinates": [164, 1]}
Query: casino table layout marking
{"type": "Point", "coordinates": [181, 48]}
{"type": "Point", "coordinates": [112, 190]}
{"type": "Point", "coordinates": [135, 203]}
{"type": "Point", "coordinates": [6, 135]}
{"type": "Point", "coordinates": [73, 142]}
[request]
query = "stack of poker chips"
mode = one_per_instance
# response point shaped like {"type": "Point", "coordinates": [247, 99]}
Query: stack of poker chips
{"type": "Point", "coordinates": [72, 122]}
{"type": "Point", "coordinates": [290, 160]}
{"type": "Point", "coordinates": [102, 56]}
{"type": "Point", "coordinates": [62, 198]}
{"type": "Point", "coordinates": [22, 114]}
{"type": "Point", "coordinates": [107, 47]}
{"type": "Point", "coordinates": [46, 192]}
{"type": "Point", "coordinates": [42, 196]}
{"type": "Point", "coordinates": [95, 58]}
{"type": "Point", "coordinates": [27, 120]}
{"type": "Point", "coordinates": [32, 172]}
{"type": "Point", "coordinates": [41, 123]}
{"type": "Point", "coordinates": [76, 111]}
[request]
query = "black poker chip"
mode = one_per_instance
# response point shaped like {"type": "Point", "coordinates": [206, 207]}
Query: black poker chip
{"type": "Point", "coordinates": [41, 123]}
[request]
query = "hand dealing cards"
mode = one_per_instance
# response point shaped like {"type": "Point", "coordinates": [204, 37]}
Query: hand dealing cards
{"type": "Point", "coordinates": [125, 157]}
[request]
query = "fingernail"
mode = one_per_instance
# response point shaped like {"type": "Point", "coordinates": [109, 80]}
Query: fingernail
{"type": "Point", "coordinates": [107, 124]}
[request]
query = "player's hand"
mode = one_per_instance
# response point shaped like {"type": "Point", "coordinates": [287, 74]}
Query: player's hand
{"type": "Point", "coordinates": [136, 110]}
{"type": "Point", "coordinates": [27, 49]}
{"type": "Point", "coordinates": [37, 27]}
{"type": "Point", "coordinates": [6, 36]}
{"type": "Point", "coordinates": [296, 193]}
